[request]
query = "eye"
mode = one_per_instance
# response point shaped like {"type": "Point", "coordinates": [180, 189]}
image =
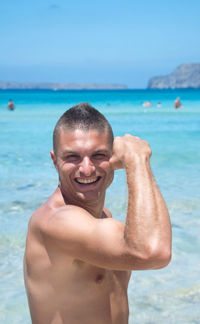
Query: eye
{"type": "Point", "coordinates": [99, 156]}
{"type": "Point", "coordinates": [72, 158]}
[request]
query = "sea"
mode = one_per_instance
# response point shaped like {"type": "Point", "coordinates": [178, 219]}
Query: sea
{"type": "Point", "coordinates": [167, 296]}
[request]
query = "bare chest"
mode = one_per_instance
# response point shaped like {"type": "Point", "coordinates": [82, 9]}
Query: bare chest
{"type": "Point", "coordinates": [95, 278]}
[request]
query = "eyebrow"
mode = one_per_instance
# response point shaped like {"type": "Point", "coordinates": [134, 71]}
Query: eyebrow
{"type": "Point", "coordinates": [69, 152]}
{"type": "Point", "coordinates": [99, 150]}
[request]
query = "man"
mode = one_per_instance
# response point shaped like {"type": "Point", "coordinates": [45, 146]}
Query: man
{"type": "Point", "coordinates": [11, 105]}
{"type": "Point", "coordinates": [78, 258]}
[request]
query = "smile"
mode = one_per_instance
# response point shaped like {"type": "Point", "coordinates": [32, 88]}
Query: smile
{"type": "Point", "coordinates": [87, 181]}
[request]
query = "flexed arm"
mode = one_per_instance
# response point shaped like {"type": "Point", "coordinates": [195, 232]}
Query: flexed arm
{"type": "Point", "coordinates": [148, 230]}
{"type": "Point", "coordinates": [144, 242]}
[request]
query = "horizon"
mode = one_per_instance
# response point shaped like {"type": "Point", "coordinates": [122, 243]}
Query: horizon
{"type": "Point", "coordinates": [179, 90]}
{"type": "Point", "coordinates": [100, 43]}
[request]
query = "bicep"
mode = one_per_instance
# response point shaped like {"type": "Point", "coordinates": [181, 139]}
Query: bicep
{"type": "Point", "coordinates": [96, 241]}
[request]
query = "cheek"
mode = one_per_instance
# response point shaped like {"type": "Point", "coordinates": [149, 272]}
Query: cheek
{"type": "Point", "coordinates": [108, 170]}
{"type": "Point", "coordinates": [66, 170]}
{"type": "Point", "coordinates": [105, 165]}
{"type": "Point", "coordinates": [110, 178]}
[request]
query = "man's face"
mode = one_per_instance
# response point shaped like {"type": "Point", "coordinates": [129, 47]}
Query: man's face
{"type": "Point", "coordinates": [82, 161]}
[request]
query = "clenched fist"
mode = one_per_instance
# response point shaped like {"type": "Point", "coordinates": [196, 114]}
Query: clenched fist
{"type": "Point", "coordinates": [128, 149]}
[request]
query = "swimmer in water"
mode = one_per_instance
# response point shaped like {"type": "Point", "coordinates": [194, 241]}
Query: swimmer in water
{"type": "Point", "coordinates": [177, 103]}
{"type": "Point", "coordinates": [11, 105]}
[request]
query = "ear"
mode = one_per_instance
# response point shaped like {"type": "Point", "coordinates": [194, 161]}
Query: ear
{"type": "Point", "coordinates": [53, 157]}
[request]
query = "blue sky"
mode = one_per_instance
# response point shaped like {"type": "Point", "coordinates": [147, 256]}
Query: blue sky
{"type": "Point", "coordinates": [124, 41]}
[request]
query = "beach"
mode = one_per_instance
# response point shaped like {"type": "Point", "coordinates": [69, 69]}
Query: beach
{"type": "Point", "coordinates": [168, 296]}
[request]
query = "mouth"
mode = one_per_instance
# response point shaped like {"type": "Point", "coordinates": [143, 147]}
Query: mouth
{"type": "Point", "coordinates": [84, 181]}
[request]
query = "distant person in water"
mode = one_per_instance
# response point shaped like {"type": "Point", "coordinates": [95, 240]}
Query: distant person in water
{"type": "Point", "coordinates": [147, 104]}
{"type": "Point", "coordinates": [159, 105]}
{"type": "Point", "coordinates": [11, 105]}
{"type": "Point", "coordinates": [177, 103]}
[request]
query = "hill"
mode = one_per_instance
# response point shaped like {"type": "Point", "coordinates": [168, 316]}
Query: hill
{"type": "Point", "coordinates": [184, 76]}
{"type": "Point", "coordinates": [59, 86]}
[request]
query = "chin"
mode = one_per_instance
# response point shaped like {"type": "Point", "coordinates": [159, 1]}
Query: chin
{"type": "Point", "coordinates": [89, 197]}
{"type": "Point", "coordinates": [86, 196]}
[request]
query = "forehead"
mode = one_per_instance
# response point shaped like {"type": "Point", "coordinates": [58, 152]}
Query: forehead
{"type": "Point", "coordinates": [82, 141]}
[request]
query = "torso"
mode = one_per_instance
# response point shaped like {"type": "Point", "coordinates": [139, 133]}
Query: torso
{"type": "Point", "coordinates": [63, 290]}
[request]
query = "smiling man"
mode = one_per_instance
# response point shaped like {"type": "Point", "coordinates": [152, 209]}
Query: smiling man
{"type": "Point", "coordinates": [78, 258]}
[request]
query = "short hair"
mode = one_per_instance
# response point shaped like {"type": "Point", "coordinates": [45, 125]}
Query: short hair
{"type": "Point", "coordinates": [85, 117]}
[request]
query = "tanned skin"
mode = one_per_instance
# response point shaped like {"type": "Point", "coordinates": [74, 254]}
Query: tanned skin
{"type": "Point", "coordinates": [78, 258]}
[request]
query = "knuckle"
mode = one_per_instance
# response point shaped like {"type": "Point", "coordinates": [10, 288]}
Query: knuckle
{"type": "Point", "coordinates": [117, 138]}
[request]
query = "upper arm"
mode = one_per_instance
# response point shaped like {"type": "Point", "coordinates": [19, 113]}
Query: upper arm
{"type": "Point", "coordinates": [96, 241]}
{"type": "Point", "coordinates": [100, 242]}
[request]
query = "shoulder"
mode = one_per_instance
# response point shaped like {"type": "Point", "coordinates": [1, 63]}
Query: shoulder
{"type": "Point", "coordinates": [68, 214]}
{"type": "Point", "coordinates": [64, 220]}
{"type": "Point", "coordinates": [74, 224]}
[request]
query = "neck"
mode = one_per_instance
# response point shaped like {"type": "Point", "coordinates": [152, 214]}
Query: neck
{"type": "Point", "coordinates": [95, 208]}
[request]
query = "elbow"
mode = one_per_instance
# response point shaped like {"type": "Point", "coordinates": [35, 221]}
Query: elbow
{"type": "Point", "coordinates": [160, 251]}
{"type": "Point", "coordinates": [160, 257]}
{"type": "Point", "coordinates": [151, 258]}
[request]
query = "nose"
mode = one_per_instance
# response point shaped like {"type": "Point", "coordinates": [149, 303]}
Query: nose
{"type": "Point", "coordinates": [86, 167]}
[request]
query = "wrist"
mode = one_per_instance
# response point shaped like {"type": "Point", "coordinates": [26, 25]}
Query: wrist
{"type": "Point", "coordinates": [136, 160]}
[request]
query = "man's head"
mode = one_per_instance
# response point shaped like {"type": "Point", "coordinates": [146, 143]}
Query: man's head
{"type": "Point", "coordinates": [85, 117]}
{"type": "Point", "coordinates": [82, 143]}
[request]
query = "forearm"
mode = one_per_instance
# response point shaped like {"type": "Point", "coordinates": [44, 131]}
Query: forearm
{"type": "Point", "coordinates": [147, 232]}
{"type": "Point", "coordinates": [147, 229]}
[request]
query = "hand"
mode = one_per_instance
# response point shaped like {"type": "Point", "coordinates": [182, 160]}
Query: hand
{"type": "Point", "coordinates": [128, 148]}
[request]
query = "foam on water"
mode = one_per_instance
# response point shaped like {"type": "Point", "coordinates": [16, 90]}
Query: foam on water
{"type": "Point", "coordinates": [170, 295]}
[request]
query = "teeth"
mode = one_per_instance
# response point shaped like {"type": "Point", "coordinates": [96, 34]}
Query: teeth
{"type": "Point", "coordinates": [85, 181]}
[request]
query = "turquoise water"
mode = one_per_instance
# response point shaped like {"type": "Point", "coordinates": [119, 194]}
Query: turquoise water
{"type": "Point", "coordinates": [167, 296]}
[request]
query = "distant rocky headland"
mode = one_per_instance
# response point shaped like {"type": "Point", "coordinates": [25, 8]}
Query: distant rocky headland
{"type": "Point", "coordinates": [184, 76]}
{"type": "Point", "coordinates": [59, 86]}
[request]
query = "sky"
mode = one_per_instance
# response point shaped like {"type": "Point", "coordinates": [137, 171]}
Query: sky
{"type": "Point", "coordinates": [97, 41]}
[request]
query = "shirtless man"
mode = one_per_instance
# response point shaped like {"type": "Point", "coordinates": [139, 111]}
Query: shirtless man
{"type": "Point", "coordinates": [78, 258]}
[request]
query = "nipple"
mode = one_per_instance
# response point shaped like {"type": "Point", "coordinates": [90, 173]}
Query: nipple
{"type": "Point", "coordinates": [99, 278]}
